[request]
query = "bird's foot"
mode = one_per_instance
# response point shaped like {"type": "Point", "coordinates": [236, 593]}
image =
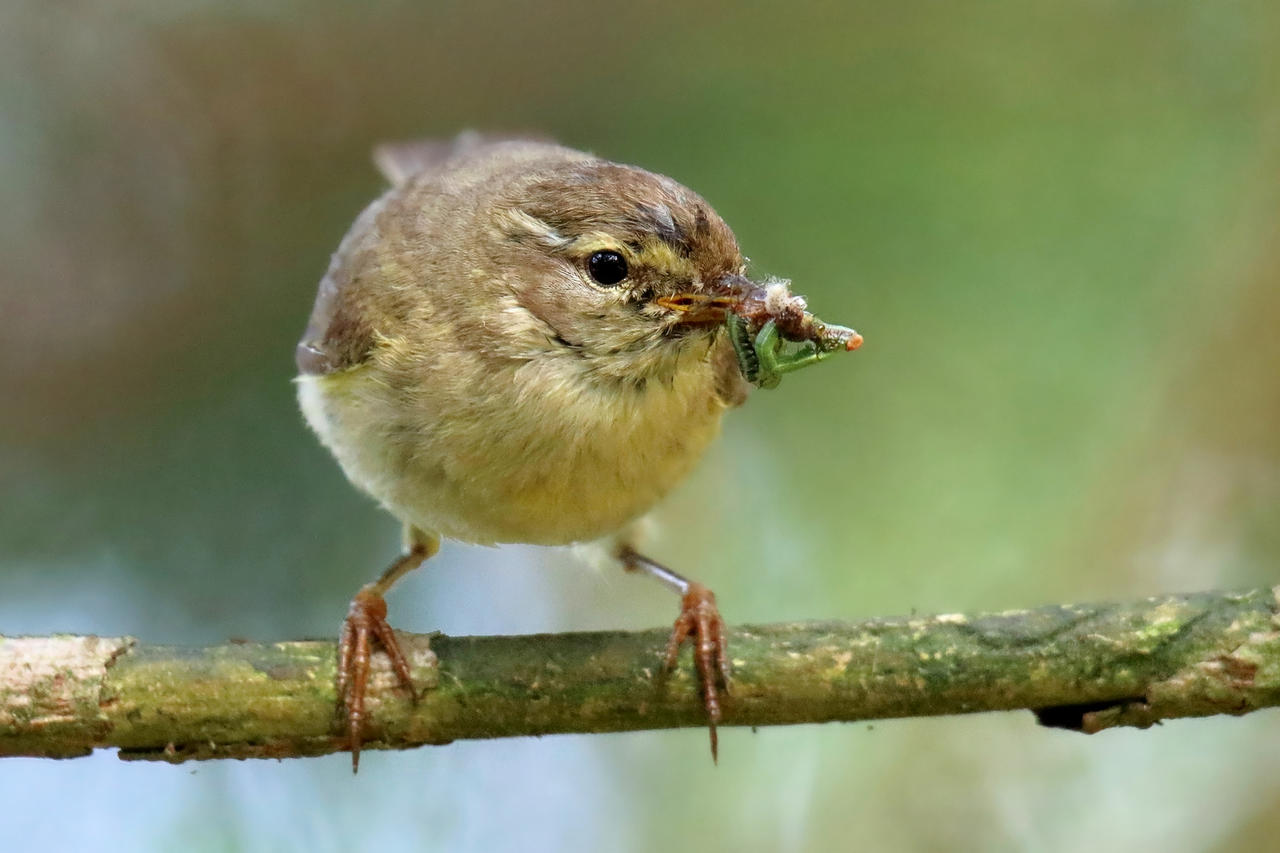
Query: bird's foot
{"type": "Point", "coordinates": [366, 620]}
{"type": "Point", "coordinates": [700, 622]}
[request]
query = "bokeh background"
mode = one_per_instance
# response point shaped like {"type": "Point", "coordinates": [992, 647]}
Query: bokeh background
{"type": "Point", "coordinates": [1056, 224]}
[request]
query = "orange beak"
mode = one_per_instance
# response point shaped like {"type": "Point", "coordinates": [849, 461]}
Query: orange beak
{"type": "Point", "coordinates": [708, 309]}
{"type": "Point", "coordinates": [699, 309]}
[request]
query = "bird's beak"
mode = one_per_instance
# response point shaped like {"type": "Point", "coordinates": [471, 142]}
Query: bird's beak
{"type": "Point", "coordinates": [708, 308]}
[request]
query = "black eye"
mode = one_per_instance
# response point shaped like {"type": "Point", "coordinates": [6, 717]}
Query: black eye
{"type": "Point", "coordinates": [607, 268]}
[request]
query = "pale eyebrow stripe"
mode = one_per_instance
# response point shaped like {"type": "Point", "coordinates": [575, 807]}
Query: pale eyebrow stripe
{"type": "Point", "coordinates": [525, 224]}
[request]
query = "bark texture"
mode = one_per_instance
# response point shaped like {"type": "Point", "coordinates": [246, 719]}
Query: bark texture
{"type": "Point", "coordinates": [1083, 667]}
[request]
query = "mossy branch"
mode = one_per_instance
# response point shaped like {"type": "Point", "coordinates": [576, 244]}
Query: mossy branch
{"type": "Point", "coordinates": [1085, 667]}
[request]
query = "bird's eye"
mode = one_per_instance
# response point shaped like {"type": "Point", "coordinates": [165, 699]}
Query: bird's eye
{"type": "Point", "coordinates": [607, 267]}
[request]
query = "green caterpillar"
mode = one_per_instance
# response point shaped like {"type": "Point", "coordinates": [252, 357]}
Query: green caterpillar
{"type": "Point", "coordinates": [761, 356]}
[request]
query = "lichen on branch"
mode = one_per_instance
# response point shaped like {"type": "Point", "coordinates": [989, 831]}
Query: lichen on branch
{"type": "Point", "coordinates": [1084, 667]}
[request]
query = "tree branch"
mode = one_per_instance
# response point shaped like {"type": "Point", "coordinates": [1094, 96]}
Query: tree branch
{"type": "Point", "coordinates": [1081, 667]}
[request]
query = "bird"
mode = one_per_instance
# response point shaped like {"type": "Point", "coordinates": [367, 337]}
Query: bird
{"type": "Point", "coordinates": [519, 342]}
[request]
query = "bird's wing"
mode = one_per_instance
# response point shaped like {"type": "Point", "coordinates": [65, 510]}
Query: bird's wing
{"type": "Point", "coordinates": [400, 161]}
{"type": "Point", "coordinates": [339, 335]}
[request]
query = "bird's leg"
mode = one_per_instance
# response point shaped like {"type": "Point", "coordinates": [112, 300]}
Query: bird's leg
{"type": "Point", "coordinates": [367, 620]}
{"type": "Point", "coordinates": [700, 622]}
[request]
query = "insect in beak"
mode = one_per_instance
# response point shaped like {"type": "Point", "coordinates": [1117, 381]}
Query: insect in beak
{"type": "Point", "coordinates": [773, 333]}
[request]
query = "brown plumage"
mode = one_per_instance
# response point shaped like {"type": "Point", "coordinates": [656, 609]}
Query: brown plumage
{"type": "Point", "coordinates": [522, 343]}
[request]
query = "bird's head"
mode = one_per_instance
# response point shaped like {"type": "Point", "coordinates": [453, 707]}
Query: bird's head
{"type": "Point", "coordinates": [625, 268]}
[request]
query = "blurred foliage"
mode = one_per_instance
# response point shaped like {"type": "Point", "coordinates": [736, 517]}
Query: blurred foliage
{"type": "Point", "coordinates": [1054, 223]}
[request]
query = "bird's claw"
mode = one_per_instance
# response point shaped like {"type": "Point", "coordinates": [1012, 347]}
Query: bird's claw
{"type": "Point", "coordinates": [700, 621]}
{"type": "Point", "coordinates": [366, 620]}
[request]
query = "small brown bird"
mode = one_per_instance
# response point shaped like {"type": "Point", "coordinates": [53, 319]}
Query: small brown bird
{"type": "Point", "coordinates": [519, 342]}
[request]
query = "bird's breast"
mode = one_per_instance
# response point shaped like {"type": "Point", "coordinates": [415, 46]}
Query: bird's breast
{"type": "Point", "coordinates": [537, 455]}
{"type": "Point", "coordinates": [583, 460]}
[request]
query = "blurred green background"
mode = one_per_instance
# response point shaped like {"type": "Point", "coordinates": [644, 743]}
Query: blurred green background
{"type": "Point", "coordinates": [1055, 224]}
